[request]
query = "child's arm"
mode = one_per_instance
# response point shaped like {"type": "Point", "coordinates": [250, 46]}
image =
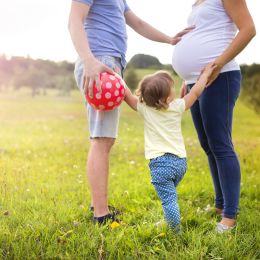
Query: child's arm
{"type": "Point", "coordinates": [130, 99]}
{"type": "Point", "coordinates": [198, 88]}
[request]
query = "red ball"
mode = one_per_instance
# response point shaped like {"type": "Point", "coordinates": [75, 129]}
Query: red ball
{"type": "Point", "coordinates": [112, 95]}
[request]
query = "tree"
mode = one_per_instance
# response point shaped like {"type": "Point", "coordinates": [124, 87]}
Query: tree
{"type": "Point", "coordinates": [251, 91]}
{"type": "Point", "coordinates": [131, 78]}
{"type": "Point", "coordinates": [144, 61]}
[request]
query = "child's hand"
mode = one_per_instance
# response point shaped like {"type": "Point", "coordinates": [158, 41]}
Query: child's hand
{"type": "Point", "coordinates": [183, 90]}
{"type": "Point", "coordinates": [216, 69]}
{"type": "Point", "coordinates": [128, 92]}
{"type": "Point", "coordinates": [130, 99]}
{"type": "Point", "coordinates": [208, 71]}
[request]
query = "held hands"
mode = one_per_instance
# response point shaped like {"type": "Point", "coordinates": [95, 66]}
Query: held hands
{"type": "Point", "coordinates": [183, 89]}
{"type": "Point", "coordinates": [210, 72]}
{"type": "Point", "coordinates": [206, 76]}
{"type": "Point", "coordinates": [216, 68]}
{"type": "Point", "coordinates": [174, 40]}
{"type": "Point", "coordinates": [128, 92]}
{"type": "Point", "coordinates": [93, 68]}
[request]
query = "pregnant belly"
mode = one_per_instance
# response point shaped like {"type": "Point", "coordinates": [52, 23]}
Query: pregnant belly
{"type": "Point", "coordinates": [192, 54]}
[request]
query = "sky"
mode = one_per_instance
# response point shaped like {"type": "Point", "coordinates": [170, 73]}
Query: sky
{"type": "Point", "coordinates": [38, 28]}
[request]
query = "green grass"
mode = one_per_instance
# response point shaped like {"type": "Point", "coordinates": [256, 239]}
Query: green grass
{"type": "Point", "coordinates": [44, 196]}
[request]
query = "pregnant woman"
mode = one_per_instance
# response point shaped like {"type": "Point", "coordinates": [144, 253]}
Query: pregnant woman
{"type": "Point", "coordinates": [215, 40]}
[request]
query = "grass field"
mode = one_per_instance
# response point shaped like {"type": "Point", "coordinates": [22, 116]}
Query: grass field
{"type": "Point", "coordinates": [44, 198]}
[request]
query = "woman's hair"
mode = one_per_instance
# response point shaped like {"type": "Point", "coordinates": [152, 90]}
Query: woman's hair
{"type": "Point", "coordinates": [154, 89]}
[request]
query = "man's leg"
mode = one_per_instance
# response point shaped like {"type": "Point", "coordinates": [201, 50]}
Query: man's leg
{"type": "Point", "coordinates": [98, 169]}
{"type": "Point", "coordinates": [103, 127]}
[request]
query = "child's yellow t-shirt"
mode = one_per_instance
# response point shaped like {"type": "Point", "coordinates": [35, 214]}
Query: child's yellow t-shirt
{"type": "Point", "coordinates": [162, 129]}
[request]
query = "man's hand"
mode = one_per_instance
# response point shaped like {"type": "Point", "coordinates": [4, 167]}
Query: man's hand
{"type": "Point", "coordinates": [93, 68]}
{"type": "Point", "coordinates": [174, 40]}
{"type": "Point", "coordinates": [183, 89]}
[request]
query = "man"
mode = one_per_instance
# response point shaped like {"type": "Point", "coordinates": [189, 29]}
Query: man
{"type": "Point", "coordinates": [98, 32]}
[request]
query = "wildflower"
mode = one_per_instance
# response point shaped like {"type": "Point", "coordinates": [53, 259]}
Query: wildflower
{"type": "Point", "coordinates": [114, 225]}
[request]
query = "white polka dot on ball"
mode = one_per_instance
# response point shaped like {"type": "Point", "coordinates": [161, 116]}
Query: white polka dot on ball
{"type": "Point", "coordinates": [110, 104]}
{"type": "Point", "coordinates": [112, 77]}
{"type": "Point", "coordinates": [108, 85]}
{"type": "Point", "coordinates": [118, 99]}
{"type": "Point", "coordinates": [118, 85]}
{"type": "Point", "coordinates": [101, 107]}
{"type": "Point", "coordinates": [116, 93]}
{"type": "Point", "coordinates": [98, 96]}
{"type": "Point", "coordinates": [108, 95]}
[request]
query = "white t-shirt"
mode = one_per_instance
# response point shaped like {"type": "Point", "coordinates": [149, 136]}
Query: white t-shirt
{"type": "Point", "coordinates": [213, 34]}
{"type": "Point", "coordinates": [162, 129]}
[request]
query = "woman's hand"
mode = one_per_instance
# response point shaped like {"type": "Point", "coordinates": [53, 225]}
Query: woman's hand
{"type": "Point", "coordinates": [183, 89]}
{"type": "Point", "coordinates": [174, 40]}
{"type": "Point", "coordinates": [216, 68]}
{"type": "Point", "coordinates": [211, 72]}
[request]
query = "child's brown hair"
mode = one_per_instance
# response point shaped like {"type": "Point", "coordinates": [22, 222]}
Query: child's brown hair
{"type": "Point", "coordinates": [154, 89]}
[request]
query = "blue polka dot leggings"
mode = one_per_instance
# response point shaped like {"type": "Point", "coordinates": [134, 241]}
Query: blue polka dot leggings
{"type": "Point", "coordinates": [167, 171]}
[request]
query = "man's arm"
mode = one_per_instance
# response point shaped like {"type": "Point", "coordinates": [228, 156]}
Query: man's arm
{"type": "Point", "coordinates": [130, 99]}
{"type": "Point", "coordinates": [149, 32]}
{"type": "Point", "coordinates": [93, 67]}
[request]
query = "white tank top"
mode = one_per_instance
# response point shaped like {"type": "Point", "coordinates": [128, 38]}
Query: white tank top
{"type": "Point", "coordinates": [213, 33]}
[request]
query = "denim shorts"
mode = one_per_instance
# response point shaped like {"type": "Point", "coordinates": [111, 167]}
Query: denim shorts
{"type": "Point", "coordinates": [101, 123]}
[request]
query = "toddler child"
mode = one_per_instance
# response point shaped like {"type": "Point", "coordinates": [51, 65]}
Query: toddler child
{"type": "Point", "coordinates": [162, 111]}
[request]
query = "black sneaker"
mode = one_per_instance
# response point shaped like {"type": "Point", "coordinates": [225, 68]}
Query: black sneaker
{"type": "Point", "coordinates": [112, 210]}
{"type": "Point", "coordinates": [105, 219]}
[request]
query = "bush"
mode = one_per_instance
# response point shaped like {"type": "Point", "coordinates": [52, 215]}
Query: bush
{"type": "Point", "coordinates": [131, 78]}
{"type": "Point", "coordinates": [251, 91]}
{"type": "Point", "coordinates": [142, 61]}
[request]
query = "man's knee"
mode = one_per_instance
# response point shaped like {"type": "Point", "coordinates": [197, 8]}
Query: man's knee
{"type": "Point", "coordinates": [104, 143]}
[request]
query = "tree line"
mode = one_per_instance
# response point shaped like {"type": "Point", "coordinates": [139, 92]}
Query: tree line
{"type": "Point", "coordinates": [38, 75]}
{"type": "Point", "coordinates": [41, 75]}
{"type": "Point", "coordinates": [251, 85]}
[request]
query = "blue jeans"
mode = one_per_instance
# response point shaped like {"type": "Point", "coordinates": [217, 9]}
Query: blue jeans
{"type": "Point", "coordinates": [212, 116]}
{"type": "Point", "coordinates": [167, 171]}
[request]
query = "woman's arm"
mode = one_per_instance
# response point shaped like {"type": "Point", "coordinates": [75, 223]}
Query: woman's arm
{"type": "Point", "coordinates": [93, 67]}
{"type": "Point", "coordinates": [130, 99]}
{"type": "Point", "coordinates": [149, 32]}
{"type": "Point", "coordinates": [239, 13]}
